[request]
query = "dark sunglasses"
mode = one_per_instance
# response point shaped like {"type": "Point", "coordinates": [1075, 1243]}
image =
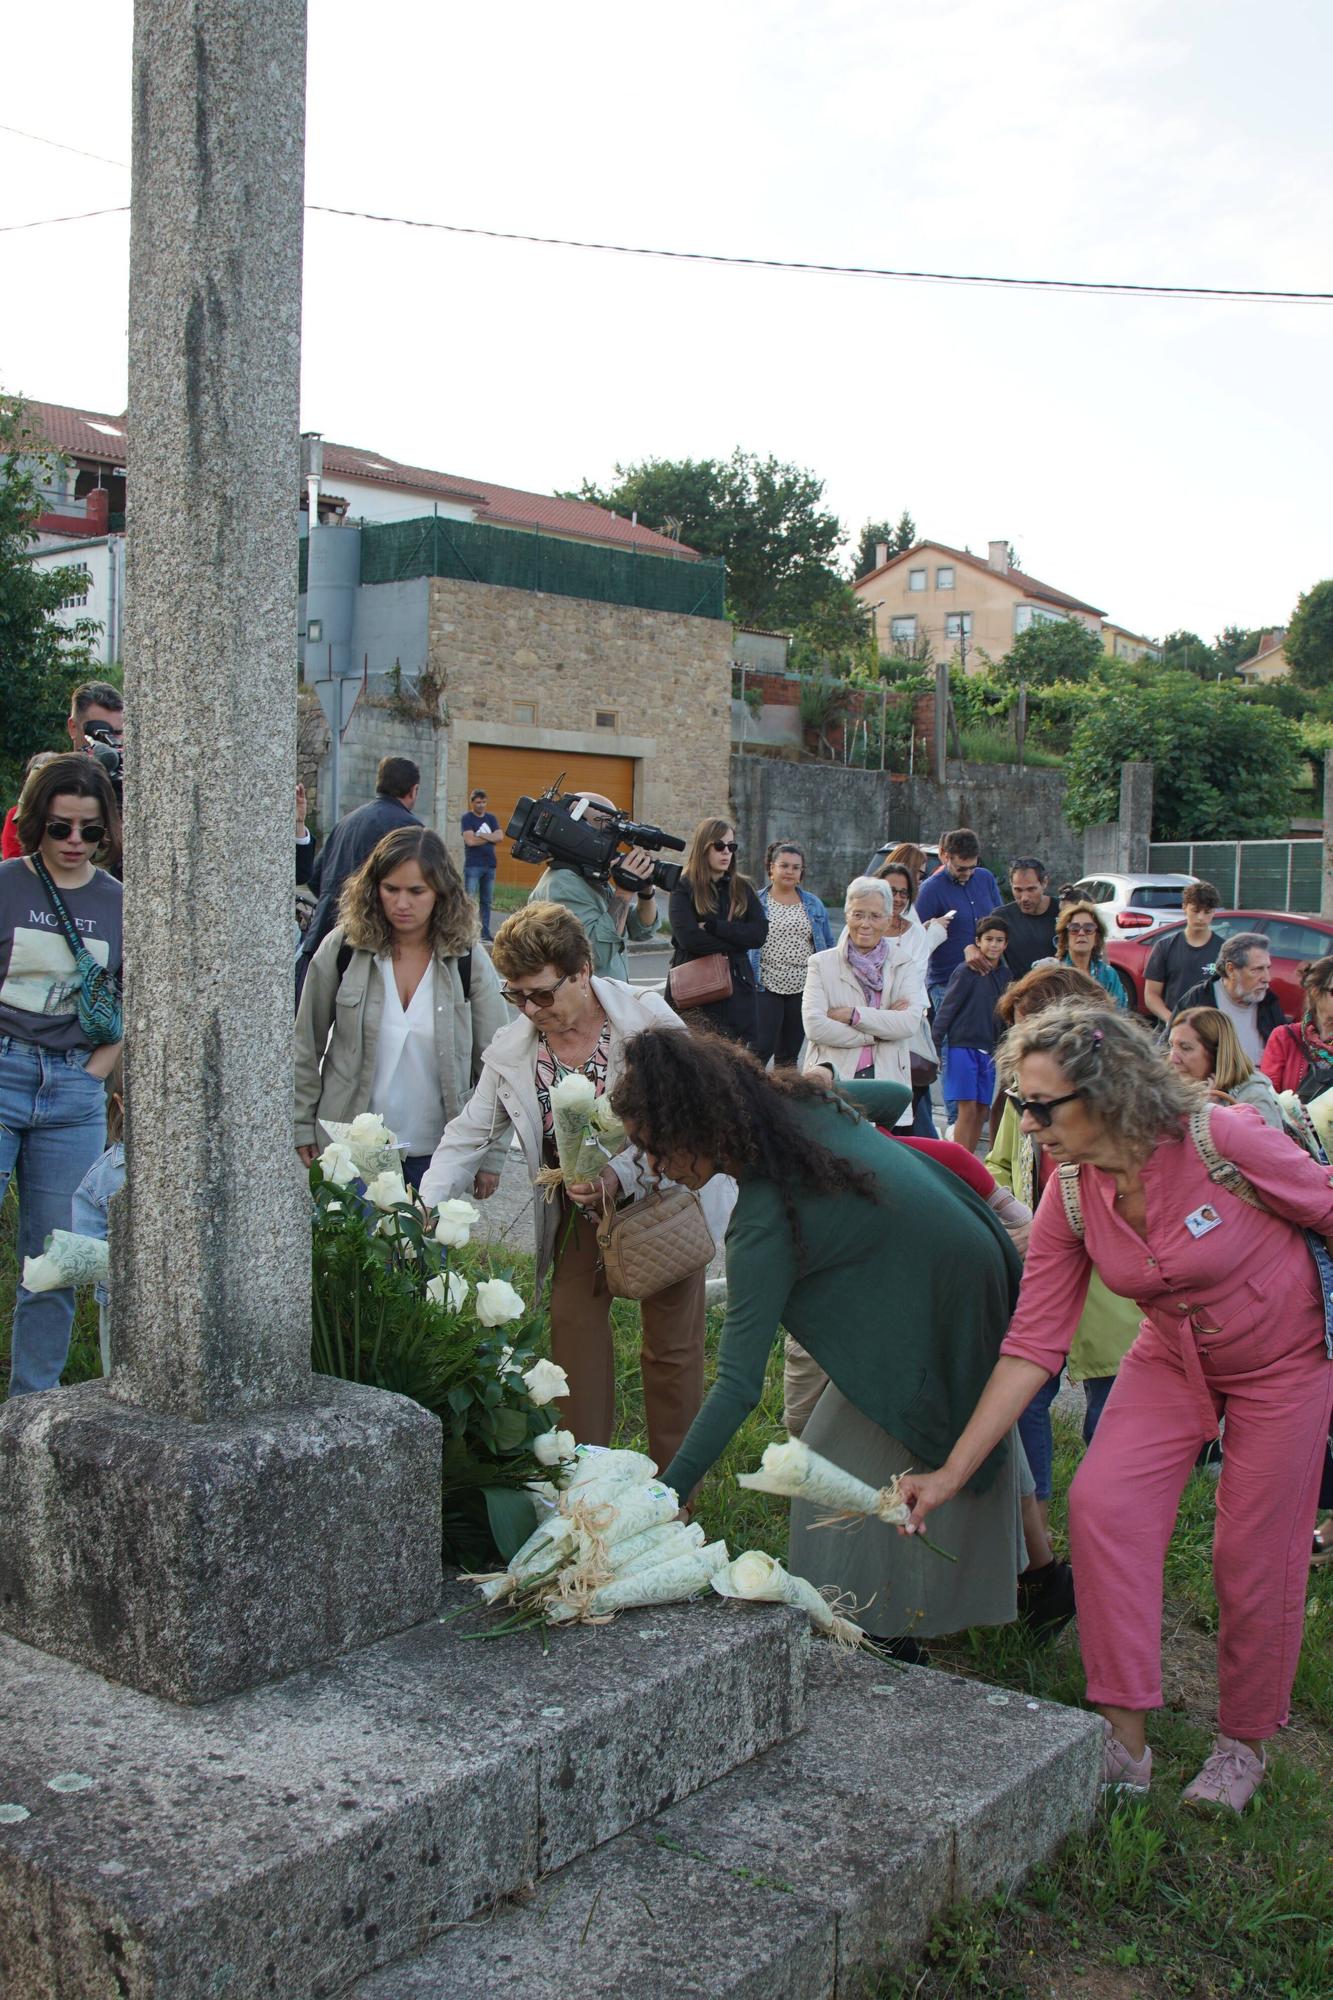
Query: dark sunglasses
{"type": "Point", "coordinates": [1039, 1109]}
{"type": "Point", "coordinates": [90, 831]}
{"type": "Point", "coordinates": [540, 997]}
{"type": "Point", "coordinates": [726, 846]}
{"type": "Point", "coordinates": [1084, 930]}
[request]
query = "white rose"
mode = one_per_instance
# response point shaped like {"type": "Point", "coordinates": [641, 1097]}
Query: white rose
{"type": "Point", "coordinates": [337, 1165]}
{"type": "Point", "coordinates": [454, 1224]}
{"type": "Point", "coordinates": [333, 1208]}
{"type": "Point", "coordinates": [575, 1092]}
{"type": "Point", "coordinates": [752, 1573]}
{"type": "Point", "coordinates": [386, 1190]}
{"type": "Point", "coordinates": [553, 1447]}
{"type": "Point", "coordinates": [544, 1381]}
{"type": "Point", "coordinates": [505, 1365]}
{"type": "Point", "coordinates": [369, 1129]}
{"type": "Point", "coordinates": [42, 1274]}
{"type": "Point", "coordinates": [451, 1291]}
{"type": "Point", "coordinates": [497, 1303]}
{"type": "Point", "coordinates": [787, 1461]}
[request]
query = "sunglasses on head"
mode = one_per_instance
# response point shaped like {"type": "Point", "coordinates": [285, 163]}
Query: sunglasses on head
{"type": "Point", "coordinates": [90, 831]}
{"type": "Point", "coordinates": [540, 997]}
{"type": "Point", "coordinates": [1039, 1109]}
{"type": "Point", "coordinates": [726, 846]}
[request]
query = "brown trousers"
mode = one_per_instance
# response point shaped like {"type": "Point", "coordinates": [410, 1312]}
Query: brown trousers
{"type": "Point", "coordinates": [671, 1357]}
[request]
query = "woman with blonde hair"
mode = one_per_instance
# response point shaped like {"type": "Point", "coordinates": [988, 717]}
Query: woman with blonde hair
{"type": "Point", "coordinates": [398, 1003]}
{"type": "Point", "coordinates": [1203, 1045]}
{"type": "Point", "coordinates": [1080, 941]}
{"type": "Point", "coordinates": [714, 911]}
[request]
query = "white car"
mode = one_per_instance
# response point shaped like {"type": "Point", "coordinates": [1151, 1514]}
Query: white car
{"type": "Point", "coordinates": [1136, 905]}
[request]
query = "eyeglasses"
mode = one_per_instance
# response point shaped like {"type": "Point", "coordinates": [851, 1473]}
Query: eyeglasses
{"type": "Point", "coordinates": [726, 846]}
{"type": "Point", "coordinates": [540, 997]}
{"type": "Point", "coordinates": [1039, 1109]}
{"type": "Point", "coordinates": [92, 832]}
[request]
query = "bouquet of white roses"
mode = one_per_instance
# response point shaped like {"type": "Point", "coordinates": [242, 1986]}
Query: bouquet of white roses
{"type": "Point", "coordinates": [587, 1133]}
{"type": "Point", "coordinates": [761, 1579]}
{"type": "Point", "coordinates": [67, 1260]}
{"type": "Point", "coordinates": [797, 1473]}
{"type": "Point", "coordinates": [361, 1149]}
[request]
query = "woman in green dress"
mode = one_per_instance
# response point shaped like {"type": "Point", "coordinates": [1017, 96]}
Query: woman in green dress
{"type": "Point", "coordinates": [888, 1270]}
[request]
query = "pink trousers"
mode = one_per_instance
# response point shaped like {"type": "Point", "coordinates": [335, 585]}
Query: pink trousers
{"type": "Point", "coordinates": [1171, 1388]}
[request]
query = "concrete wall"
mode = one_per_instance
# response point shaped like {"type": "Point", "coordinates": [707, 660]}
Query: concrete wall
{"type": "Point", "coordinates": [840, 816]}
{"type": "Point", "coordinates": [666, 677]}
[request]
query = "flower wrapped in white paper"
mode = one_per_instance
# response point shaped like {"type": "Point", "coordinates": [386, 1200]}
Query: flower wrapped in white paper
{"type": "Point", "coordinates": [797, 1473]}
{"type": "Point", "coordinates": [587, 1133]}
{"type": "Point", "coordinates": [67, 1260]}
{"type": "Point", "coordinates": [609, 1467]}
{"type": "Point", "coordinates": [761, 1579]}
{"type": "Point", "coordinates": [371, 1145]}
{"type": "Point", "coordinates": [685, 1576]}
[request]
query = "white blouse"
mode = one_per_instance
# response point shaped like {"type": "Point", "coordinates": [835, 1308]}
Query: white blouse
{"type": "Point", "coordinates": [406, 1088]}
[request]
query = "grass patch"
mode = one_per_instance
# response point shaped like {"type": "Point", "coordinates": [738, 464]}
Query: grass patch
{"type": "Point", "coordinates": [987, 745]}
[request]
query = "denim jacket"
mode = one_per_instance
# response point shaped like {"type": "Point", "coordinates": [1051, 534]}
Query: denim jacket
{"type": "Point", "coordinates": [92, 1198]}
{"type": "Point", "coordinates": [821, 930]}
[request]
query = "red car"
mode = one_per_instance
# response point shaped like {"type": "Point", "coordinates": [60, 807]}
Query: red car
{"type": "Point", "coordinates": [1292, 940]}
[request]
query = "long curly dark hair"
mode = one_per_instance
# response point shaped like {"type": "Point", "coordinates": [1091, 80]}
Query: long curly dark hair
{"type": "Point", "coordinates": [701, 1093]}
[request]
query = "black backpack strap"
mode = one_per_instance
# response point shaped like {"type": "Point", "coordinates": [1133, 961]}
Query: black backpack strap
{"type": "Point", "coordinates": [344, 960]}
{"type": "Point", "coordinates": [464, 965]}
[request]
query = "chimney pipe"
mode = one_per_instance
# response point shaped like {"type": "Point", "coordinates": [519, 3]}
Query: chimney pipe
{"type": "Point", "coordinates": [881, 554]}
{"type": "Point", "coordinates": [999, 557]}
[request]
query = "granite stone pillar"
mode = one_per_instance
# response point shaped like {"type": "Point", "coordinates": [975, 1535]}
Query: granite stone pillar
{"type": "Point", "coordinates": [1135, 832]}
{"type": "Point", "coordinates": [214, 1515]}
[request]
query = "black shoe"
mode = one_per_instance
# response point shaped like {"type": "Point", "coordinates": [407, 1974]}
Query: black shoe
{"type": "Point", "coordinates": [908, 1652]}
{"type": "Point", "coordinates": [1046, 1599]}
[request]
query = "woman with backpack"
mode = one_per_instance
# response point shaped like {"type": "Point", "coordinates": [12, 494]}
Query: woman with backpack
{"type": "Point", "coordinates": [398, 1004]}
{"type": "Point", "coordinates": [1216, 1225]}
{"type": "Point", "coordinates": [1299, 1055]}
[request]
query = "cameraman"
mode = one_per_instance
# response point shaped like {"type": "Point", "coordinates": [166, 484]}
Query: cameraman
{"type": "Point", "coordinates": [94, 702]}
{"type": "Point", "coordinates": [606, 911]}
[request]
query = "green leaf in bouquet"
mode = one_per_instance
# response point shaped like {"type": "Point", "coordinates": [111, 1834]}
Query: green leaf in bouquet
{"type": "Point", "coordinates": [511, 1429]}
{"type": "Point", "coordinates": [512, 1516]}
{"type": "Point", "coordinates": [460, 1398]}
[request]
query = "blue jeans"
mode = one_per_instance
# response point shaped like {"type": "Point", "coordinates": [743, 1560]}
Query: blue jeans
{"type": "Point", "coordinates": [935, 995]}
{"type": "Point", "coordinates": [478, 882]}
{"type": "Point", "coordinates": [1096, 1389]}
{"type": "Point", "coordinates": [1034, 1426]}
{"type": "Point", "coordinates": [52, 1128]}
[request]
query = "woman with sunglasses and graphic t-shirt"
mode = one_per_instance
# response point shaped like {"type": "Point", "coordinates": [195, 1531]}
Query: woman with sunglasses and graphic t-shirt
{"type": "Point", "coordinates": [52, 1096]}
{"type": "Point", "coordinates": [715, 909]}
{"type": "Point", "coordinates": [572, 1023]}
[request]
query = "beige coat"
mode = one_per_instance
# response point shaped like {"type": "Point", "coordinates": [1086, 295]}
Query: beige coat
{"type": "Point", "coordinates": [505, 1099]}
{"type": "Point", "coordinates": [830, 982]}
{"type": "Point", "coordinates": [338, 1024]}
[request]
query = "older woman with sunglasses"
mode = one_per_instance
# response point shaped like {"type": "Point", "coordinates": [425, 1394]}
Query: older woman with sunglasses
{"type": "Point", "coordinates": [1080, 941]}
{"type": "Point", "coordinates": [1208, 1219]}
{"type": "Point", "coordinates": [52, 1074]}
{"type": "Point", "coordinates": [572, 1023]}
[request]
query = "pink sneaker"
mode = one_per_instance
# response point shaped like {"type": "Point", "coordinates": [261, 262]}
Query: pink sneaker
{"type": "Point", "coordinates": [1230, 1777]}
{"type": "Point", "coordinates": [1120, 1771]}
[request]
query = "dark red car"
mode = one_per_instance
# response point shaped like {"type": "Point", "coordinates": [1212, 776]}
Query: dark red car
{"type": "Point", "coordinates": [1292, 940]}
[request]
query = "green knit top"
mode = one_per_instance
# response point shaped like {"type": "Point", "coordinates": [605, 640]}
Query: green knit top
{"type": "Point", "coordinates": [903, 1301]}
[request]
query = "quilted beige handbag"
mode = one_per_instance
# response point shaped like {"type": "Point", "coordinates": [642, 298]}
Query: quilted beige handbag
{"type": "Point", "coordinates": [650, 1244]}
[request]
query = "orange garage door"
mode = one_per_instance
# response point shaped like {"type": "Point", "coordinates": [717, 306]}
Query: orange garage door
{"type": "Point", "coordinates": [505, 775]}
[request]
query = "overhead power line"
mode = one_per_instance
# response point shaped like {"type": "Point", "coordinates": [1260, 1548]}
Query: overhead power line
{"type": "Point", "coordinates": [1095, 287]}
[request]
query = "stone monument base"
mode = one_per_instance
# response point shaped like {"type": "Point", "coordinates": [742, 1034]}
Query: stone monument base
{"type": "Point", "coordinates": [192, 1561]}
{"type": "Point", "coordinates": [285, 1842]}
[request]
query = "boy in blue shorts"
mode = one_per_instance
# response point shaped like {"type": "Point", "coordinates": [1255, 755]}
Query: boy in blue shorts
{"type": "Point", "coordinates": [966, 1017]}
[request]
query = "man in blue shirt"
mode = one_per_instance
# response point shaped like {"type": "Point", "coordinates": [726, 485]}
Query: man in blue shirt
{"type": "Point", "coordinates": [961, 888]}
{"type": "Point", "coordinates": [481, 837]}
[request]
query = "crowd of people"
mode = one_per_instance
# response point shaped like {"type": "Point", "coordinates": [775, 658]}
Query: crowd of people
{"type": "Point", "coordinates": [1147, 1219]}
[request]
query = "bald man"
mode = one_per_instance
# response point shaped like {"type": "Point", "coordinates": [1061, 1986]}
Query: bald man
{"type": "Point", "coordinates": [607, 912]}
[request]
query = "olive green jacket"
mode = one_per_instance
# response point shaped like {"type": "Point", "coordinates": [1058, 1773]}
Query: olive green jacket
{"type": "Point", "coordinates": [903, 1301]}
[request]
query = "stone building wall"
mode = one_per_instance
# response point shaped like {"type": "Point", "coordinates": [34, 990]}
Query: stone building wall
{"type": "Point", "coordinates": [532, 671]}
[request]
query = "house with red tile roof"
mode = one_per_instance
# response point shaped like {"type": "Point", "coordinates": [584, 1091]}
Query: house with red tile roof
{"type": "Point", "coordinates": [961, 604]}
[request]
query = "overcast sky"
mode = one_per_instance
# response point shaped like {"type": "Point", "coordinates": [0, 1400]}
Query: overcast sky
{"type": "Point", "coordinates": [1166, 460]}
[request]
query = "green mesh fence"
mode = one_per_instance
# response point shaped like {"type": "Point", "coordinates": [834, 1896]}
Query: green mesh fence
{"type": "Point", "coordinates": [1250, 874]}
{"type": "Point", "coordinates": [393, 551]}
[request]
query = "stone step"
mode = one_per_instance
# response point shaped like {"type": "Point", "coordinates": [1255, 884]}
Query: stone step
{"type": "Point", "coordinates": [285, 1841]}
{"type": "Point", "coordinates": [804, 1872]}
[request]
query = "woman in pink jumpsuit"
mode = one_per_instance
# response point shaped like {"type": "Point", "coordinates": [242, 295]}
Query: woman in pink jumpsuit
{"type": "Point", "coordinates": [1233, 1324]}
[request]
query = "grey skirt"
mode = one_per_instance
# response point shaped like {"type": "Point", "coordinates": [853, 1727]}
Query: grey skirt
{"type": "Point", "coordinates": [900, 1587]}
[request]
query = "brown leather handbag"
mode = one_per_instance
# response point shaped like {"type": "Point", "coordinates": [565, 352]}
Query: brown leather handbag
{"type": "Point", "coordinates": [650, 1244]}
{"type": "Point", "coordinates": [698, 982]}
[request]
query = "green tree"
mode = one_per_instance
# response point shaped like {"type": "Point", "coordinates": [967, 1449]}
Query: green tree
{"type": "Point", "coordinates": [1050, 652]}
{"type": "Point", "coordinates": [904, 535]}
{"type": "Point", "coordinates": [765, 519]}
{"type": "Point", "coordinates": [1234, 645]}
{"type": "Point", "coordinates": [1309, 640]}
{"type": "Point", "coordinates": [873, 534]}
{"type": "Point", "coordinates": [1223, 769]}
{"type": "Point", "coordinates": [1187, 653]}
{"type": "Point", "coordinates": [40, 659]}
